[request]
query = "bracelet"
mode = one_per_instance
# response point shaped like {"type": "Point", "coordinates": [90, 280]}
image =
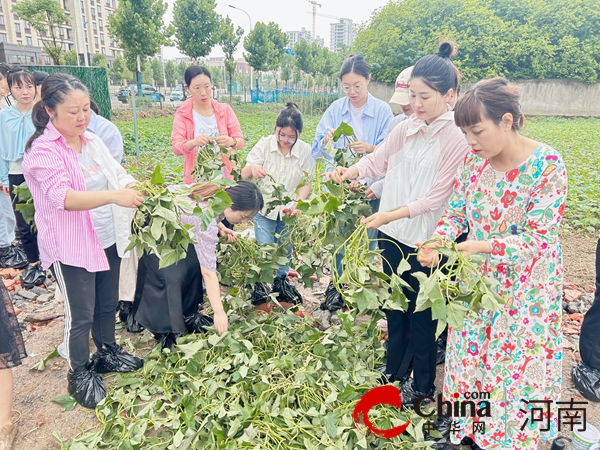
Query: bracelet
{"type": "Point", "coordinates": [234, 143]}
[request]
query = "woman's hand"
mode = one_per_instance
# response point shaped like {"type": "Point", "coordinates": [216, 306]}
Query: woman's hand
{"type": "Point", "coordinates": [221, 322]}
{"type": "Point", "coordinates": [257, 171]}
{"type": "Point", "coordinates": [228, 234]}
{"type": "Point", "coordinates": [5, 189]}
{"type": "Point", "coordinates": [128, 198]}
{"type": "Point", "coordinates": [427, 255]}
{"type": "Point", "coordinates": [225, 141]}
{"type": "Point", "coordinates": [328, 136]}
{"type": "Point", "coordinates": [132, 184]}
{"type": "Point", "coordinates": [341, 174]}
{"type": "Point", "coordinates": [376, 220]}
{"type": "Point", "coordinates": [202, 140]}
{"type": "Point", "coordinates": [468, 248]}
{"type": "Point", "coordinates": [370, 194]}
{"type": "Point", "coordinates": [361, 147]}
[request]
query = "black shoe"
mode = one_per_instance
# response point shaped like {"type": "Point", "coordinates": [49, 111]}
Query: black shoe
{"type": "Point", "coordinates": [112, 358]}
{"type": "Point", "coordinates": [287, 291]}
{"type": "Point", "coordinates": [196, 323]}
{"type": "Point", "coordinates": [260, 294]}
{"type": "Point", "coordinates": [384, 378]}
{"type": "Point", "coordinates": [166, 340]}
{"type": "Point", "coordinates": [33, 276]}
{"type": "Point", "coordinates": [410, 394]}
{"type": "Point", "coordinates": [333, 299]}
{"type": "Point", "coordinates": [12, 257]}
{"type": "Point", "coordinates": [87, 387]}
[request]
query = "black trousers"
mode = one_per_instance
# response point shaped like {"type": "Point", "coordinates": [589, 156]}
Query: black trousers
{"type": "Point", "coordinates": [26, 234]}
{"type": "Point", "coordinates": [411, 336]}
{"type": "Point", "coordinates": [90, 303]}
{"type": "Point", "coordinates": [597, 295]}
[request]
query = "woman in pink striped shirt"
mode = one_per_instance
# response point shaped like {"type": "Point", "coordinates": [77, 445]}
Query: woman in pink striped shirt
{"type": "Point", "coordinates": [82, 199]}
{"type": "Point", "coordinates": [419, 159]}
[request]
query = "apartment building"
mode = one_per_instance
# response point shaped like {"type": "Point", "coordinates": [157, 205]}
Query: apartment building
{"type": "Point", "coordinates": [86, 32]}
{"type": "Point", "coordinates": [342, 34]}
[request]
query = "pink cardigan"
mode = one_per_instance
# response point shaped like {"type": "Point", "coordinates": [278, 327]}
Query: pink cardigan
{"type": "Point", "coordinates": [183, 131]}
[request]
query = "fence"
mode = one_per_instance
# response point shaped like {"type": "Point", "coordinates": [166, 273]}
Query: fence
{"type": "Point", "coordinates": [95, 78]}
{"type": "Point", "coordinates": [309, 102]}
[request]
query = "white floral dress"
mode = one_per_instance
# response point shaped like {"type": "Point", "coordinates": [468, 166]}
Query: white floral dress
{"type": "Point", "coordinates": [514, 354]}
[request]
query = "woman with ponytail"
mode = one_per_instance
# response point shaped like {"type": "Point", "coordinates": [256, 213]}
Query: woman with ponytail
{"type": "Point", "coordinates": [83, 201]}
{"type": "Point", "coordinates": [286, 159]}
{"type": "Point", "coordinates": [418, 159]}
{"type": "Point", "coordinates": [167, 300]}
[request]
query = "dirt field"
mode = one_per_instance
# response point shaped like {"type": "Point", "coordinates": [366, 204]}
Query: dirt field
{"type": "Point", "coordinates": [38, 417]}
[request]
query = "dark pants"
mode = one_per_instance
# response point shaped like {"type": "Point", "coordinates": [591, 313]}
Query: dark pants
{"type": "Point", "coordinates": [411, 336]}
{"type": "Point", "coordinates": [26, 234]}
{"type": "Point", "coordinates": [597, 295]}
{"type": "Point", "coordinates": [90, 303]}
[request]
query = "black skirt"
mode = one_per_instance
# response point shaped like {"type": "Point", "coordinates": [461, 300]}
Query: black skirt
{"type": "Point", "coordinates": [12, 347]}
{"type": "Point", "coordinates": [163, 297]}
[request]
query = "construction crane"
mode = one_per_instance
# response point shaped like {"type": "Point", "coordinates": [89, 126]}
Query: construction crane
{"type": "Point", "coordinates": [326, 15]}
{"type": "Point", "coordinates": [314, 14]}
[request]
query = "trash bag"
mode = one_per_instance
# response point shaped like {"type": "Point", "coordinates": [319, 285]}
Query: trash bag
{"type": "Point", "coordinates": [126, 316]}
{"type": "Point", "coordinates": [410, 394]}
{"type": "Point", "coordinates": [333, 299]}
{"type": "Point", "coordinates": [196, 323]}
{"type": "Point", "coordinates": [260, 293]}
{"type": "Point", "coordinates": [440, 357]}
{"type": "Point", "coordinates": [112, 358]}
{"type": "Point", "coordinates": [33, 276]}
{"type": "Point", "coordinates": [166, 340]}
{"type": "Point", "coordinates": [287, 291]}
{"type": "Point", "coordinates": [589, 344]}
{"type": "Point", "coordinates": [86, 387]}
{"type": "Point", "coordinates": [132, 325]}
{"type": "Point", "coordinates": [12, 257]}
{"type": "Point", "coordinates": [587, 381]}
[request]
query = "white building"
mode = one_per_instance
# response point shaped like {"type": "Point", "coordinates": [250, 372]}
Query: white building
{"type": "Point", "coordinates": [296, 36]}
{"type": "Point", "coordinates": [342, 34]}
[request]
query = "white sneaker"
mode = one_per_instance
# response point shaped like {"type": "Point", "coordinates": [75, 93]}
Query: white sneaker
{"type": "Point", "coordinates": [62, 350]}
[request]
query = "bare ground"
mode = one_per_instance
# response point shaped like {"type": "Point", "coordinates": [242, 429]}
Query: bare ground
{"type": "Point", "coordinates": [38, 417]}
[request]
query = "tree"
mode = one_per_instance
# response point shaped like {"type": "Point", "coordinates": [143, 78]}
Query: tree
{"type": "Point", "coordinates": [46, 17]}
{"type": "Point", "coordinates": [157, 72]}
{"type": "Point", "coordinates": [286, 68]}
{"type": "Point", "coordinates": [197, 27]}
{"type": "Point", "coordinates": [71, 58]}
{"type": "Point", "coordinates": [229, 41]}
{"type": "Point", "coordinates": [147, 74]}
{"type": "Point", "coordinates": [265, 45]}
{"type": "Point", "coordinates": [138, 28]}
{"type": "Point", "coordinates": [119, 71]}
{"type": "Point", "coordinates": [99, 60]}
{"type": "Point", "coordinates": [170, 72]}
{"type": "Point", "coordinates": [181, 68]}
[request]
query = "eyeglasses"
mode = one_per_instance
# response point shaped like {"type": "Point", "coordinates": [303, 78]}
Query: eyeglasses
{"type": "Point", "coordinates": [284, 138]}
{"type": "Point", "coordinates": [355, 88]}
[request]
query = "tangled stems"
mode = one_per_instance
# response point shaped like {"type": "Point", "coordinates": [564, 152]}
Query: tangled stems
{"type": "Point", "coordinates": [208, 163]}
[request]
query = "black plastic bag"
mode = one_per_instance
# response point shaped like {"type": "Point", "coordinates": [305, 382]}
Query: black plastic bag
{"type": "Point", "coordinates": [33, 276]}
{"type": "Point", "coordinates": [196, 323]}
{"type": "Point", "coordinates": [260, 293]}
{"type": "Point", "coordinates": [86, 387]}
{"type": "Point", "coordinates": [587, 381]}
{"type": "Point", "coordinates": [13, 257]}
{"type": "Point", "coordinates": [166, 340]}
{"type": "Point", "coordinates": [440, 357]}
{"type": "Point", "coordinates": [287, 292]}
{"type": "Point", "coordinates": [112, 358]}
{"type": "Point", "coordinates": [126, 316]}
{"type": "Point", "coordinates": [333, 299]}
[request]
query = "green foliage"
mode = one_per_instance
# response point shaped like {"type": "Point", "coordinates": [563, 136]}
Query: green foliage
{"type": "Point", "coordinates": [119, 71]}
{"type": "Point", "coordinates": [99, 60]}
{"type": "Point", "coordinates": [265, 46]}
{"type": "Point", "coordinates": [197, 27]}
{"type": "Point", "coordinates": [229, 41]}
{"type": "Point", "coordinates": [181, 68]}
{"type": "Point", "coordinates": [170, 72]}
{"type": "Point", "coordinates": [513, 38]}
{"type": "Point", "coordinates": [46, 17]}
{"type": "Point", "coordinates": [157, 73]}
{"type": "Point", "coordinates": [138, 28]}
{"type": "Point", "coordinates": [146, 75]}
{"type": "Point", "coordinates": [71, 58]}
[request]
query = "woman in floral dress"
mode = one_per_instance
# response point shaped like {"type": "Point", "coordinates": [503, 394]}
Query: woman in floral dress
{"type": "Point", "coordinates": [510, 192]}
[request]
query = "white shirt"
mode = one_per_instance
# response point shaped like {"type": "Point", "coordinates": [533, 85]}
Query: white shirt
{"type": "Point", "coordinates": [287, 170]}
{"type": "Point", "coordinates": [356, 121]}
{"type": "Point", "coordinates": [205, 125]}
{"type": "Point", "coordinates": [95, 180]}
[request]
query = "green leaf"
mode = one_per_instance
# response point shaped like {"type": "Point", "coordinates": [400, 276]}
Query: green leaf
{"type": "Point", "coordinates": [66, 401]}
{"type": "Point", "coordinates": [456, 315]}
{"type": "Point", "coordinates": [156, 177]}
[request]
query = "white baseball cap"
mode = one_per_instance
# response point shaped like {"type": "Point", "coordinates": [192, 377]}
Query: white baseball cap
{"type": "Point", "coordinates": [401, 96]}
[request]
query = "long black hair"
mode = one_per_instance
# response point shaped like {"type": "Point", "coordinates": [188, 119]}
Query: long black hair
{"type": "Point", "coordinates": [355, 64]}
{"type": "Point", "coordinates": [193, 71]}
{"type": "Point", "coordinates": [55, 89]}
{"type": "Point", "coordinates": [245, 195]}
{"type": "Point", "coordinates": [18, 76]}
{"type": "Point", "coordinates": [290, 117]}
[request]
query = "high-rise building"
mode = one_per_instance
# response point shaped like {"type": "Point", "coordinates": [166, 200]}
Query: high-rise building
{"type": "Point", "coordinates": [342, 34]}
{"type": "Point", "coordinates": [297, 36]}
{"type": "Point", "coordinates": [86, 32]}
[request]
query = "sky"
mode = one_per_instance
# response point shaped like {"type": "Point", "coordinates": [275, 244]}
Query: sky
{"type": "Point", "coordinates": [290, 15]}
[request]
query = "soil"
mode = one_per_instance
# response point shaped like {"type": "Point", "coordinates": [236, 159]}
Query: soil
{"type": "Point", "coordinates": [38, 416]}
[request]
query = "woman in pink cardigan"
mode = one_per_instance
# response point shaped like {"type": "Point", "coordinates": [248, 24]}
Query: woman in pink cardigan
{"type": "Point", "coordinates": [201, 119]}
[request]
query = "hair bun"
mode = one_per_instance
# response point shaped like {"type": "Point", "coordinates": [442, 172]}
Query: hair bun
{"type": "Point", "coordinates": [447, 49]}
{"type": "Point", "coordinates": [291, 105]}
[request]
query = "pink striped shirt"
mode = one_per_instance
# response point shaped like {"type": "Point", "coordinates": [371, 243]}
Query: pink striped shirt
{"type": "Point", "coordinates": [51, 169]}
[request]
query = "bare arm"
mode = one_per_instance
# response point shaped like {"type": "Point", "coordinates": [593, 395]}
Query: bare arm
{"type": "Point", "coordinates": [211, 281]}
{"type": "Point", "coordinates": [86, 200]}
